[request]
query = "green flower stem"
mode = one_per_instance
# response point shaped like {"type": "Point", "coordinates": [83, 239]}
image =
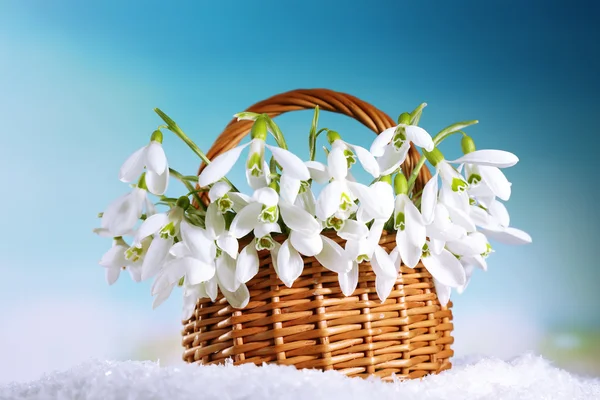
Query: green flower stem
{"type": "Point", "coordinates": [449, 130]}
{"type": "Point", "coordinates": [415, 173]}
{"type": "Point", "coordinates": [173, 127]}
{"type": "Point", "coordinates": [188, 185]}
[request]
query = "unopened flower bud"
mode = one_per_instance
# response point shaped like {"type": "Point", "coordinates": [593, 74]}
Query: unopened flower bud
{"type": "Point", "coordinates": [400, 184]}
{"type": "Point", "coordinates": [157, 136]}
{"type": "Point", "coordinates": [467, 144]}
{"type": "Point", "coordinates": [404, 118]}
{"type": "Point", "coordinates": [332, 136]}
{"type": "Point", "coordinates": [259, 128]}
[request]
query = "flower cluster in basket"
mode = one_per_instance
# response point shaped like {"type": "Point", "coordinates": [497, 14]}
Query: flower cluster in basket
{"type": "Point", "coordinates": [209, 239]}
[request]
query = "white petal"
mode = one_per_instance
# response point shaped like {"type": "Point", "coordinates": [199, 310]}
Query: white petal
{"type": "Point", "coordinates": [442, 291]}
{"type": "Point", "coordinates": [429, 200]}
{"type": "Point", "coordinates": [156, 160]}
{"type": "Point", "coordinates": [391, 159]}
{"type": "Point", "coordinates": [212, 289]}
{"type": "Point", "coordinates": [396, 259]}
{"type": "Point", "coordinates": [419, 137]}
{"type": "Point", "coordinates": [367, 160]}
{"type": "Point", "coordinates": [337, 166]}
{"type": "Point", "coordinates": [112, 274]}
{"type": "Point", "coordinates": [477, 261]}
{"type": "Point", "coordinates": [220, 166]}
{"type": "Point", "coordinates": [229, 244]}
{"type": "Point", "coordinates": [135, 272]}
{"type": "Point", "coordinates": [307, 201]}
{"type": "Point", "coordinates": [290, 264]}
{"type": "Point", "coordinates": [290, 163]}
{"type": "Point", "coordinates": [298, 219]}
{"type": "Point", "coordinates": [114, 257]}
{"type": "Point", "coordinates": [240, 200]}
{"type": "Point", "coordinates": [329, 200]}
{"type": "Point", "coordinates": [493, 158]}
{"type": "Point", "coordinates": [467, 246]}
{"type": "Point", "coordinates": [409, 253]}
{"type": "Point", "coordinates": [383, 195]}
{"type": "Point", "coordinates": [349, 280]}
{"type": "Point", "coordinates": [157, 184]}
{"type": "Point", "coordinates": [122, 215]}
{"type": "Point", "coordinates": [247, 263]}
{"type": "Point", "coordinates": [260, 181]}
{"type": "Point", "coordinates": [180, 250]}
{"type": "Point", "coordinates": [512, 236]}
{"type": "Point", "coordinates": [353, 230]}
{"type": "Point", "coordinates": [150, 207]}
{"type": "Point", "coordinates": [436, 245]}
{"type": "Point", "coordinates": [197, 241]}
{"type": "Point", "coordinates": [155, 256]}
{"type": "Point", "coordinates": [498, 211]}
{"type": "Point", "coordinates": [150, 226]}
{"type": "Point", "coordinates": [318, 171]}
{"type": "Point", "coordinates": [381, 141]}
{"type": "Point", "coordinates": [238, 298]}
{"type": "Point", "coordinates": [264, 229]}
{"type": "Point", "coordinates": [446, 268]}
{"type": "Point", "coordinates": [468, 272]}
{"type": "Point", "coordinates": [245, 221]}
{"type": "Point", "coordinates": [266, 196]}
{"type": "Point", "coordinates": [161, 283]}
{"type": "Point", "coordinates": [226, 273]}
{"type": "Point", "coordinates": [384, 286]}
{"type": "Point", "coordinates": [496, 181]}
{"type": "Point", "coordinates": [461, 219]}
{"type": "Point", "coordinates": [162, 296]}
{"type": "Point", "coordinates": [415, 227]}
{"type": "Point", "coordinates": [133, 167]}
{"type": "Point", "coordinates": [383, 264]}
{"type": "Point", "coordinates": [215, 222]}
{"type": "Point", "coordinates": [482, 219]}
{"type": "Point", "coordinates": [333, 257]}
{"type": "Point", "coordinates": [196, 271]}
{"type": "Point", "coordinates": [288, 188]}
{"type": "Point", "coordinates": [218, 190]}
{"type": "Point", "coordinates": [308, 245]}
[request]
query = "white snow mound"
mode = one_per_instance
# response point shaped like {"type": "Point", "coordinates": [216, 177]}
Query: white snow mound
{"type": "Point", "coordinates": [526, 377]}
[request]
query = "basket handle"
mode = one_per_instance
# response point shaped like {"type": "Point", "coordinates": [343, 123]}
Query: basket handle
{"type": "Point", "coordinates": [329, 100]}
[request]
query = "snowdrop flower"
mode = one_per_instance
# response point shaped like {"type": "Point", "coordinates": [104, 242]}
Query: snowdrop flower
{"type": "Point", "coordinates": [114, 261]}
{"type": "Point", "coordinates": [482, 171]}
{"type": "Point", "coordinates": [391, 146]}
{"type": "Point", "coordinates": [446, 270]}
{"type": "Point", "coordinates": [255, 165]}
{"type": "Point", "coordinates": [411, 231]}
{"type": "Point", "coordinates": [336, 202]}
{"type": "Point", "coordinates": [352, 152]}
{"type": "Point", "coordinates": [366, 248]}
{"type": "Point", "coordinates": [121, 216]}
{"type": "Point", "coordinates": [165, 227]}
{"type": "Point", "coordinates": [494, 222]}
{"type": "Point", "coordinates": [151, 156]}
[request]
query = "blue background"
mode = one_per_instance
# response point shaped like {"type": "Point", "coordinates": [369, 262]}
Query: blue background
{"type": "Point", "coordinates": [79, 81]}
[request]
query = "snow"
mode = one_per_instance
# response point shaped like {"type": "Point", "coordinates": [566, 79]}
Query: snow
{"type": "Point", "coordinates": [525, 377]}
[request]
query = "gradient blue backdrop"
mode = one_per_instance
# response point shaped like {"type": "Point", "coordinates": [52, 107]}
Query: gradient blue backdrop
{"type": "Point", "coordinates": [79, 80]}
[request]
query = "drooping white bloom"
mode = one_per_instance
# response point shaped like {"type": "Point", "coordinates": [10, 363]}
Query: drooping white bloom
{"type": "Point", "coordinates": [352, 152]}
{"type": "Point", "coordinates": [483, 174]}
{"type": "Point", "coordinates": [256, 167]}
{"type": "Point", "coordinates": [336, 202]}
{"type": "Point", "coordinates": [446, 270]}
{"type": "Point", "coordinates": [153, 158]}
{"type": "Point", "coordinates": [411, 231]}
{"type": "Point", "coordinates": [391, 146]}
{"type": "Point", "coordinates": [164, 227]}
{"type": "Point", "coordinates": [121, 216]}
{"type": "Point", "coordinates": [115, 260]}
{"type": "Point", "coordinates": [362, 247]}
{"type": "Point", "coordinates": [494, 222]}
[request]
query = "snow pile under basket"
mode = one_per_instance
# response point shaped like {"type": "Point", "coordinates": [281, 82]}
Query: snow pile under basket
{"type": "Point", "coordinates": [312, 324]}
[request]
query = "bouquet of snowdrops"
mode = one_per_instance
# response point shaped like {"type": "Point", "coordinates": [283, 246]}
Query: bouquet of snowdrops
{"type": "Point", "coordinates": [195, 244]}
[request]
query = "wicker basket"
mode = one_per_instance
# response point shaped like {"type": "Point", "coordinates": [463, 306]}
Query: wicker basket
{"type": "Point", "coordinates": [312, 324]}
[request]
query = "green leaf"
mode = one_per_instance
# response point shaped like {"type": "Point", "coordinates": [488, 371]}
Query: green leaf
{"type": "Point", "coordinates": [454, 128]}
{"type": "Point", "coordinates": [415, 115]}
{"type": "Point", "coordinates": [252, 116]}
{"type": "Point", "coordinates": [312, 136]}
